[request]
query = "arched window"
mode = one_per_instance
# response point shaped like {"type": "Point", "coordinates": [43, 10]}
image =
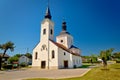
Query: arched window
{"type": "Point", "coordinates": [44, 31]}
{"type": "Point", "coordinates": [36, 55]}
{"type": "Point", "coordinates": [51, 31]}
{"type": "Point", "coordinates": [53, 54]}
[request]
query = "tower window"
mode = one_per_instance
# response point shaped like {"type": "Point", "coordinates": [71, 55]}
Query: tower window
{"type": "Point", "coordinates": [53, 54]}
{"type": "Point", "coordinates": [51, 31]}
{"type": "Point", "coordinates": [44, 31]}
{"type": "Point", "coordinates": [61, 41]}
{"type": "Point", "coordinates": [36, 55]}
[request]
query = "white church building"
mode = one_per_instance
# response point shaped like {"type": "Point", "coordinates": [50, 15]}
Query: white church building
{"type": "Point", "coordinates": [50, 54]}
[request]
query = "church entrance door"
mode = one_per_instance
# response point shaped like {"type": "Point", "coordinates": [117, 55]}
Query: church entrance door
{"type": "Point", "coordinates": [43, 64]}
{"type": "Point", "coordinates": [65, 64]}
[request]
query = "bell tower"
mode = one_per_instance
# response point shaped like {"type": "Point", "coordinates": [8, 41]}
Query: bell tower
{"type": "Point", "coordinates": [65, 38]}
{"type": "Point", "coordinates": [47, 27]}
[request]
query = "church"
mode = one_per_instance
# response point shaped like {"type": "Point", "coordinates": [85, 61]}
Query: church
{"type": "Point", "coordinates": [59, 54]}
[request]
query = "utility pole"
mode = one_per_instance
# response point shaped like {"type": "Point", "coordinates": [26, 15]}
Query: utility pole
{"type": "Point", "coordinates": [27, 50]}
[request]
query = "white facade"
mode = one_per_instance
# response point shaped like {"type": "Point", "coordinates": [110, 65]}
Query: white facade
{"type": "Point", "coordinates": [23, 59]}
{"type": "Point", "coordinates": [49, 54]}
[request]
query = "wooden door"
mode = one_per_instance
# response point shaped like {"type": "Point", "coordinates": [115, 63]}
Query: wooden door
{"type": "Point", "coordinates": [66, 64]}
{"type": "Point", "coordinates": [43, 64]}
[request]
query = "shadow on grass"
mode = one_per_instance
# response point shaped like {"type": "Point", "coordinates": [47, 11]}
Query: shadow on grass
{"type": "Point", "coordinates": [117, 68]}
{"type": "Point", "coordinates": [85, 66]}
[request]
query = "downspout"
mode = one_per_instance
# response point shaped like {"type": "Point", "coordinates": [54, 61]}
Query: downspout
{"type": "Point", "coordinates": [48, 54]}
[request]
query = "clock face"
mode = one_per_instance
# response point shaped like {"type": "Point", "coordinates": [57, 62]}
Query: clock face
{"type": "Point", "coordinates": [44, 47]}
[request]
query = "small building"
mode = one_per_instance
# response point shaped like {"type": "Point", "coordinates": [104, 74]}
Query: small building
{"type": "Point", "coordinates": [5, 58]}
{"type": "Point", "coordinates": [24, 59]}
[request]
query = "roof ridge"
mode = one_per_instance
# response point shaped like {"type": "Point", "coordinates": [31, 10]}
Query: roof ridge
{"type": "Point", "coordinates": [64, 48]}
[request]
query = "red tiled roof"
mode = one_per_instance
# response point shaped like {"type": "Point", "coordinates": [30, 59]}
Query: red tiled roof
{"type": "Point", "coordinates": [64, 48]}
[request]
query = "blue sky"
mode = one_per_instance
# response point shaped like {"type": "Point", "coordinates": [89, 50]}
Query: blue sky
{"type": "Point", "coordinates": [94, 24]}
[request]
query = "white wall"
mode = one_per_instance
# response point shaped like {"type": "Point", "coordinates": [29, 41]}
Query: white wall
{"type": "Point", "coordinates": [67, 40]}
{"type": "Point", "coordinates": [77, 61]}
{"type": "Point", "coordinates": [43, 56]}
{"type": "Point", "coordinates": [53, 62]}
{"type": "Point", "coordinates": [23, 59]}
{"type": "Point", "coordinates": [63, 57]}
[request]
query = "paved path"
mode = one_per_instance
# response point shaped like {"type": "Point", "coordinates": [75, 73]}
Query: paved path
{"type": "Point", "coordinates": [37, 73]}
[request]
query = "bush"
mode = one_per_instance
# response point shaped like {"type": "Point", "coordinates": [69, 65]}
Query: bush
{"type": "Point", "coordinates": [23, 64]}
{"type": "Point", "coordinates": [117, 61]}
{"type": "Point", "coordinates": [75, 66]}
{"type": "Point", "coordinates": [7, 66]}
{"type": "Point", "coordinates": [15, 65]}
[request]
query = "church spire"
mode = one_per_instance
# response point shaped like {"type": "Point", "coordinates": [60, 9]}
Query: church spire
{"type": "Point", "coordinates": [64, 27]}
{"type": "Point", "coordinates": [48, 14]}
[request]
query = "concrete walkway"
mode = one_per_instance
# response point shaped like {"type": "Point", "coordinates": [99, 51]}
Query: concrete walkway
{"type": "Point", "coordinates": [37, 73]}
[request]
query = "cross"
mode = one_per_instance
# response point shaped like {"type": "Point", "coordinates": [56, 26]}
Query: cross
{"type": "Point", "coordinates": [48, 3]}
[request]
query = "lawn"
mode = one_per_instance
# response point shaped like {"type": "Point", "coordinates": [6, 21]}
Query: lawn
{"type": "Point", "coordinates": [99, 73]}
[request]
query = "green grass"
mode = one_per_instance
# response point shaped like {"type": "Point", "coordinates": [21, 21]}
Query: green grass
{"type": "Point", "coordinates": [39, 79]}
{"type": "Point", "coordinates": [99, 73]}
{"type": "Point", "coordinates": [85, 66]}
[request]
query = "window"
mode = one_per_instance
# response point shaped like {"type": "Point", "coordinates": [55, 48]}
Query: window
{"type": "Point", "coordinates": [53, 54]}
{"type": "Point", "coordinates": [51, 31]}
{"type": "Point", "coordinates": [61, 41]}
{"type": "Point", "coordinates": [64, 53]}
{"type": "Point", "coordinates": [44, 31]}
{"type": "Point", "coordinates": [36, 55]}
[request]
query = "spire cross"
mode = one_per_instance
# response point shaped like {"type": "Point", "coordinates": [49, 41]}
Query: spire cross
{"type": "Point", "coordinates": [48, 3]}
{"type": "Point", "coordinates": [63, 19]}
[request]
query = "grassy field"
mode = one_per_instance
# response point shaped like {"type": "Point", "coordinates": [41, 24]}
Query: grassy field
{"type": "Point", "coordinates": [111, 73]}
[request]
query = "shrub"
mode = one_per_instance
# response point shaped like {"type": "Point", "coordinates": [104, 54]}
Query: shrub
{"type": "Point", "coordinates": [23, 64]}
{"type": "Point", "coordinates": [117, 61]}
{"type": "Point", "coordinates": [7, 66]}
{"type": "Point", "coordinates": [74, 66]}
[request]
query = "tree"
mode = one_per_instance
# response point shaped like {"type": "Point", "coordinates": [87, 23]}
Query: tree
{"type": "Point", "coordinates": [13, 59]}
{"type": "Point", "coordinates": [28, 55]}
{"type": "Point", "coordinates": [18, 55]}
{"type": "Point", "coordinates": [104, 62]}
{"type": "Point", "coordinates": [106, 53]}
{"type": "Point", "coordinates": [6, 46]}
{"type": "Point", "coordinates": [116, 55]}
{"type": "Point", "coordinates": [93, 58]}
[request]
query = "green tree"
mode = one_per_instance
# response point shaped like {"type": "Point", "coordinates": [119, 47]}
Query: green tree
{"type": "Point", "coordinates": [93, 57]}
{"type": "Point", "coordinates": [106, 53]}
{"type": "Point", "coordinates": [18, 55]}
{"type": "Point", "coordinates": [28, 55]}
{"type": "Point", "coordinates": [13, 59]}
{"type": "Point", "coordinates": [116, 55]}
{"type": "Point", "coordinates": [6, 46]}
{"type": "Point", "coordinates": [103, 54]}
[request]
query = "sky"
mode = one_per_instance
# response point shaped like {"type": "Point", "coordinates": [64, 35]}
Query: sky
{"type": "Point", "coordinates": [94, 24]}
